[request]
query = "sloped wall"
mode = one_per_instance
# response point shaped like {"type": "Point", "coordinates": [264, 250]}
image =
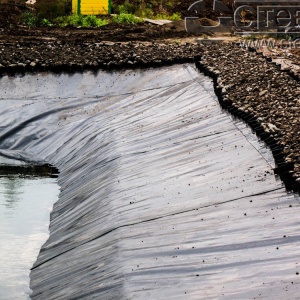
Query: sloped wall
{"type": "Point", "coordinates": [163, 195]}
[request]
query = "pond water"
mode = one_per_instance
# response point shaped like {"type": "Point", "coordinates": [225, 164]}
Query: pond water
{"type": "Point", "coordinates": [25, 205]}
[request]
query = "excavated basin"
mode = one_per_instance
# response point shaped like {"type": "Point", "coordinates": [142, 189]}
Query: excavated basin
{"type": "Point", "coordinates": [163, 194]}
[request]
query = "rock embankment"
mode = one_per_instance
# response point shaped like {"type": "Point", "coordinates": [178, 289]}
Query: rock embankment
{"type": "Point", "coordinates": [256, 90]}
{"type": "Point", "coordinates": [61, 57]}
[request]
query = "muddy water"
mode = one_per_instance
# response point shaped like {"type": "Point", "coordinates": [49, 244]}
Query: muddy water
{"type": "Point", "coordinates": [25, 205]}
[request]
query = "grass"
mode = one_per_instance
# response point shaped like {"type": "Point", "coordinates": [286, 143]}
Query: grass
{"type": "Point", "coordinates": [173, 17]}
{"type": "Point", "coordinates": [80, 21]}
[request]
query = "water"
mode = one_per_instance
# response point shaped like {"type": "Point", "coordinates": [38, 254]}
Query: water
{"type": "Point", "coordinates": [25, 205]}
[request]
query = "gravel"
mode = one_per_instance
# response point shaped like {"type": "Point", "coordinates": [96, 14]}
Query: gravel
{"type": "Point", "coordinates": [60, 57]}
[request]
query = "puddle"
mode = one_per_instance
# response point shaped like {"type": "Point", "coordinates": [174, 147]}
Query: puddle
{"type": "Point", "coordinates": [25, 205]}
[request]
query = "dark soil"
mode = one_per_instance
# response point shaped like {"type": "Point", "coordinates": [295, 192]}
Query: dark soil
{"type": "Point", "coordinates": [24, 49]}
{"type": "Point", "coordinates": [12, 31]}
{"type": "Point", "coordinates": [110, 32]}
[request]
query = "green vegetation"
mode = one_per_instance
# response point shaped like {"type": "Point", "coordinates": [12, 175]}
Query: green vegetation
{"type": "Point", "coordinates": [93, 21]}
{"type": "Point", "coordinates": [126, 18]}
{"type": "Point", "coordinates": [29, 19]}
{"type": "Point", "coordinates": [73, 20]}
{"type": "Point", "coordinates": [58, 13]}
{"type": "Point", "coordinates": [80, 21]}
{"type": "Point", "coordinates": [46, 22]}
{"type": "Point", "coordinates": [173, 17]}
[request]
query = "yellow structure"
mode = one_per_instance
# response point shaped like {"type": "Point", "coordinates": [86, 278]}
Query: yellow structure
{"type": "Point", "coordinates": [91, 7]}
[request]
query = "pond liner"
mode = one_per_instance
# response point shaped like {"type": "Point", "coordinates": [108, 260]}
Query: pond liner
{"type": "Point", "coordinates": [163, 194]}
{"type": "Point", "coordinates": [20, 163]}
{"type": "Point", "coordinates": [283, 168]}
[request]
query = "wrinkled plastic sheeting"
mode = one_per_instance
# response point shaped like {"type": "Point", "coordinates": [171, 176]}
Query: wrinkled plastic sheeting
{"type": "Point", "coordinates": [18, 158]}
{"type": "Point", "coordinates": [163, 195]}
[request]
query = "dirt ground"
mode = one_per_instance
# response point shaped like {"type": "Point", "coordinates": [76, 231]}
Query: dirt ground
{"type": "Point", "coordinates": [12, 31]}
{"type": "Point", "coordinates": [111, 32]}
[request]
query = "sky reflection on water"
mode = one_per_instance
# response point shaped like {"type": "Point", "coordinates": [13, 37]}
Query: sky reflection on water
{"type": "Point", "coordinates": [25, 206]}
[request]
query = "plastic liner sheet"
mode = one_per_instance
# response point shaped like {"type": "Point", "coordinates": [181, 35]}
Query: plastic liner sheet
{"type": "Point", "coordinates": [163, 195]}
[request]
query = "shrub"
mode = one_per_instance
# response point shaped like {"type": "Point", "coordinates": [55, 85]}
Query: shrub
{"type": "Point", "coordinates": [75, 20]}
{"type": "Point", "coordinates": [175, 17]}
{"type": "Point", "coordinates": [29, 19]}
{"type": "Point", "coordinates": [79, 20]}
{"type": "Point", "coordinates": [60, 21]}
{"type": "Point", "coordinates": [101, 22]}
{"type": "Point", "coordinates": [127, 18]}
{"type": "Point", "coordinates": [45, 22]}
{"type": "Point", "coordinates": [93, 21]}
{"type": "Point", "coordinates": [89, 21]}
